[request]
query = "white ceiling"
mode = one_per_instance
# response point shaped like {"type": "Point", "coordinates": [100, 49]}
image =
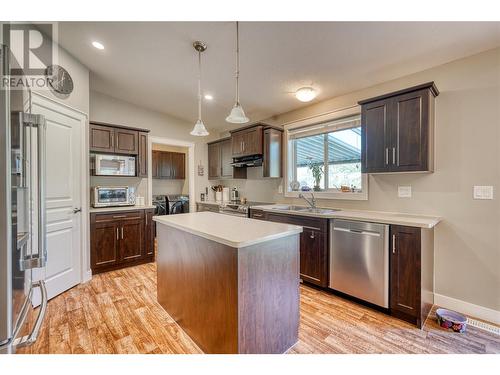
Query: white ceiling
{"type": "Point", "coordinates": [154, 65]}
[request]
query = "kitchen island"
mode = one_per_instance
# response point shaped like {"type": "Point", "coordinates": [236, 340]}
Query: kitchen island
{"type": "Point", "coordinates": [231, 283]}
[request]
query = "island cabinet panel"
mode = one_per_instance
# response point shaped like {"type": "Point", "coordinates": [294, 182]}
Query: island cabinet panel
{"type": "Point", "coordinates": [397, 131]}
{"type": "Point", "coordinates": [313, 244]}
{"type": "Point", "coordinates": [119, 239]}
{"type": "Point", "coordinates": [230, 300]}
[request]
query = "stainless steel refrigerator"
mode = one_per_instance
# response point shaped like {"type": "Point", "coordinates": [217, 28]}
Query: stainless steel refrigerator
{"type": "Point", "coordinates": [22, 213]}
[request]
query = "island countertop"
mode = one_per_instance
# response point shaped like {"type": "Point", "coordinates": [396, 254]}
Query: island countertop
{"type": "Point", "coordinates": [233, 231]}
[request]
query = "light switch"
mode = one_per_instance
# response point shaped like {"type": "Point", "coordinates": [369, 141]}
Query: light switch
{"type": "Point", "coordinates": [404, 191]}
{"type": "Point", "coordinates": [483, 192]}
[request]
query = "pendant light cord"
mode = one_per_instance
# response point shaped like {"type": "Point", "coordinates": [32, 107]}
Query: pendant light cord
{"type": "Point", "coordinates": [199, 85]}
{"type": "Point", "coordinates": [237, 63]}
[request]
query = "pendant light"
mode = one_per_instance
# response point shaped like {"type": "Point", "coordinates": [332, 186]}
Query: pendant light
{"type": "Point", "coordinates": [199, 129]}
{"type": "Point", "coordinates": [237, 115]}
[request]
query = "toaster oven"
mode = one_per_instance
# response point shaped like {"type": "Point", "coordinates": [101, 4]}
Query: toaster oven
{"type": "Point", "coordinates": [110, 196]}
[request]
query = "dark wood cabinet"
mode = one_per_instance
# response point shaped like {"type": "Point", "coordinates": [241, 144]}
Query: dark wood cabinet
{"type": "Point", "coordinates": [397, 131]}
{"type": "Point", "coordinates": [411, 273]}
{"type": "Point", "coordinates": [114, 139]}
{"type": "Point", "coordinates": [149, 233]}
{"type": "Point", "coordinates": [220, 159]}
{"type": "Point", "coordinates": [142, 158]}
{"type": "Point", "coordinates": [126, 141]}
{"type": "Point", "coordinates": [247, 142]}
{"type": "Point", "coordinates": [313, 244]}
{"type": "Point", "coordinates": [272, 150]}
{"type": "Point", "coordinates": [101, 138]}
{"type": "Point", "coordinates": [169, 165]}
{"type": "Point", "coordinates": [120, 238]}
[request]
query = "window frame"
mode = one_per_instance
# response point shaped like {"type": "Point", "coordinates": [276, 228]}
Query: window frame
{"type": "Point", "coordinates": [289, 157]}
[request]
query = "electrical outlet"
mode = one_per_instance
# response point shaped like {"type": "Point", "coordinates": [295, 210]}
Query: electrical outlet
{"type": "Point", "coordinates": [483, 192]}
{"type": "Point", "coordinates": [280, 189]}
{"type": "Point", "coordinates": [404, 191]}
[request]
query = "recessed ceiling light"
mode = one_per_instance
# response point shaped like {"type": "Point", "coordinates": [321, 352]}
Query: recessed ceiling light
{"type": "Point", "coordinates": [209, 97]}
{"type": "Point", "coordinates": [98, 45]}
{"type": "Point", "coordinates": [305, 94]}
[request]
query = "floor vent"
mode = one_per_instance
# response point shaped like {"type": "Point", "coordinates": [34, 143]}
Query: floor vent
{"type": "Point", "coordinates": [485, 326]}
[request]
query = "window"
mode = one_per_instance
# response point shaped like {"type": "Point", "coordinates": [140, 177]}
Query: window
{"type": "Point", "coordinates": [326, 158]}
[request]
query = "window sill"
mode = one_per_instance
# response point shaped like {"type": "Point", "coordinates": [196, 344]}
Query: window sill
{"type": "Point", "coordinates": [363, 196]}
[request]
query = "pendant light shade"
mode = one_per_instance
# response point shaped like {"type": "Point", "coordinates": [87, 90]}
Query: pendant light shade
{"type": "Point", "coordinates": [199, 129]}
{"type": "Point", "coordinates": [237, 114]}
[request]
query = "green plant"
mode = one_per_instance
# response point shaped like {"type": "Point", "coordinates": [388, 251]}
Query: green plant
{"type": "Point", "coordinates": [317, 172]}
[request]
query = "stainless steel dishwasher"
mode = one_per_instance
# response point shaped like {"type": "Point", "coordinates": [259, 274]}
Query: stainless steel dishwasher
{"type": "Point", "coordinates": [359, 260]}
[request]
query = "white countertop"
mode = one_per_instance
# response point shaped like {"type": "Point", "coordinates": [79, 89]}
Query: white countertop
{"type": "Point", "coordinates": [121, 208]}
{"type": "Point", "coordinates": [232, 231]}
{"type": "Point", "coordinates": [396, 218]}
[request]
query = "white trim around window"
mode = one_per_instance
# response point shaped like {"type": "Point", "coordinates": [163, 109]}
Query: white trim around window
{"type": "Point", "coordinates": [330, 194]}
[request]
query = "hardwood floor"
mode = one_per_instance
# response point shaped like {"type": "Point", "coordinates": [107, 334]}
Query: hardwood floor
{"type": "Point", "coordinates": [117, 312]}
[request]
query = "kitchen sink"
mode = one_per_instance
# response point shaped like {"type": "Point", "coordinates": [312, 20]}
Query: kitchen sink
{"type": "Point", "coordinates": [319, 211]}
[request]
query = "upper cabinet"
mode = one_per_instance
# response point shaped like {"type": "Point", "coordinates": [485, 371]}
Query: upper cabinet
{"type": "Point", "coordinates": [126, 141]}
{"type": "Point", "coordinates": [220, 159]}
{"type": "Point", "coordinates": [247, 141]}
{"type": "Point", "coordinates": [397, 131]}
{"type": "Point", "coordinates": [169, 165]}
{"type": "Point", "coordinates": [271, 158]}
{"type": "Point", "coordinates": [142, 160]}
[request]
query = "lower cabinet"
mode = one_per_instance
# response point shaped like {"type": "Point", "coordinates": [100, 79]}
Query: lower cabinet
{"type": "Point", "coordinates": [119, 239]}
{"type": "Point", "coordinates": [313, 244]}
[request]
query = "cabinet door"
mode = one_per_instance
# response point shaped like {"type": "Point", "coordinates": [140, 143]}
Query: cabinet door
{"type": "Point", "coordinates": [142, 158]}
{"type": "Point", "coordinates": [214, 157]}
{"type": "Point", "coordinates": [252, 141]}
{"type": "Point", "coordinates": [237, 141]}
{"type": "Point", "coordinates": [226, 159]}
{"type": "Point", "coordinates": [104, 244]}
{"type": "Point", "coordinates": [271, 166]}
{"type": "Point", "coordinates": [165, 165]}
{"type": "Point", "coordinates": [312, 256]}
{"type": "Point", "coordinates": [410, 132]}
{"type": "Point", "coordinates": [149, 233]}
{"type": "Point", "coordinates": [405, 286]}
{"type": "Point", "coordinates": [131, 239]}
{"type": "Point", "coordinates": [178, 161]}
{"type": "Point", "coordinates": [101, 138]}
{"type": "Point", "coordinates": [155, 165]}
{"type": "Point", "coordinates": [126, 141]}
{"type": "Point", "coordinates": [375, 136]}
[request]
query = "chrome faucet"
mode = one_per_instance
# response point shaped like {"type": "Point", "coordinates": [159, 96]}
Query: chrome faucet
{"type": "Point", "coordinates": [311, 202]}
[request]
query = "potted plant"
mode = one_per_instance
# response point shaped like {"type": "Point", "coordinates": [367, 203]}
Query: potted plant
{"type": "Point", "coordinates": [317, 172]}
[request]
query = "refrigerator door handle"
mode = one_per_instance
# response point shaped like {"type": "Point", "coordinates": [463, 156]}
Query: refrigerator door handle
{"type": "Point", "coordinates": [31, 338]}
{"type": "Point", "coordinates": [39, 259]}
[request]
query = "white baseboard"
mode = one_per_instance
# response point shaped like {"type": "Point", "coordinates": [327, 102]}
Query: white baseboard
{"type": "Point", "coordinates": [87, 276]}
{"type": "Point", "coordinates": [467, 308]}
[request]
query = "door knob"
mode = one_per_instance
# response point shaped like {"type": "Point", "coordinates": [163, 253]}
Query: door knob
{"type": "Point", "coordinates": [76, 210]}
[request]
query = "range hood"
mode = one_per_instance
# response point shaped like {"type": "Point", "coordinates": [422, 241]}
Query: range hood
{"type": "Point", "coordinates": [247, 161]}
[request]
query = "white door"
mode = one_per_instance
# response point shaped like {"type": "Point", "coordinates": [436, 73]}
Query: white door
{"type": "Point", "coordinates": [63, 195]}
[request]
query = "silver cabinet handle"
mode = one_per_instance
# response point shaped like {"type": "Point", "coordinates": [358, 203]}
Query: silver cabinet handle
{"type": "Point", "coordinates": [122, 233]}
{"type": "Point", "coordinates": [257, 215]}
{"type": "Point", "coordinates": [119, 216]}
{"type": "Point", "coordinates": [312, 235]}
{"type": "Point", "coordinates": [394, 155]}
{"type": "Point", "coordinates": [394, 244]}
{"type": "Point", "coordinates": [117, 235]}
{"type": "Point", "coordinates": [386, 155]}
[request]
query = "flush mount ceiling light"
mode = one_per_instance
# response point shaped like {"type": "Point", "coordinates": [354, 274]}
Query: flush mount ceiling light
{"type": "Point", "coordinates": [305, 94]}
{"type": "Point", "coordinates": [98, 45]}
{"type": "Point", "coordinates": [237, 115]}
{"type": "Point", "coordinates": [199, 129]}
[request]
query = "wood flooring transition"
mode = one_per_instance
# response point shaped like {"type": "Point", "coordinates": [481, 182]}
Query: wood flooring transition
{"type": "Point", "coordinates": [117, 312]}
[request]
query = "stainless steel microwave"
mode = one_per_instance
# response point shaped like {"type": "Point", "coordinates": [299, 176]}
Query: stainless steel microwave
{"type": "Point", "coordinates": [109, 196]}
{"type": "Point", "coordinates": [113, 165]}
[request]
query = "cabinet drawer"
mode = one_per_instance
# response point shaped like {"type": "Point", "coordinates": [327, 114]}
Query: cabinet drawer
{"type": "Point", "coordinates": [258, 214]}
{"type": "Point", "coordinates": [118, 215]}
{"type": "Point", "coordinates": [312, 223]}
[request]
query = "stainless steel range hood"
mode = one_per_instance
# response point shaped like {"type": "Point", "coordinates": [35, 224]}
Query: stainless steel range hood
{"type": "Point", "coordinates": [247, 161]}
